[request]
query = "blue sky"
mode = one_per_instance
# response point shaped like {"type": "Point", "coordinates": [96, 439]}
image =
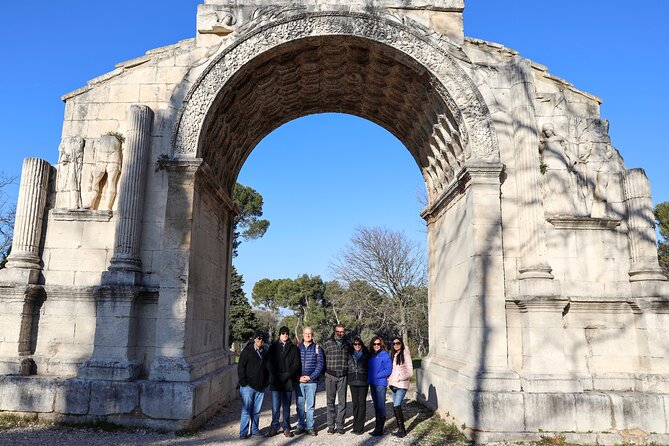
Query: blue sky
{"type": "Point", "coordinates": [323, 175]}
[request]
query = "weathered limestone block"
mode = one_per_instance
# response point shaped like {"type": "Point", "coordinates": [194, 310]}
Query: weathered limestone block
{"type": "Point", "coordinates": [593, 412]}
{"type": "Point", "coordinates": [643, 411]}
{"type": "Point", "coordinates": [172, 401]}
{"type": "Point", "coordinates": [37, 396]}
{"type": "Point", "coordinates": [73, 397]}
{"type": "Point", "coordinates": [549, 412]}
{"type": "Point", "coordinates": [488, 405]}
{"type": "Point", "coordinates": [113, 397]}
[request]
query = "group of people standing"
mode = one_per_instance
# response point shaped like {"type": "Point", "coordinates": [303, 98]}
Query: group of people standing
{"type": "Point", "coordinates": [288, 368]}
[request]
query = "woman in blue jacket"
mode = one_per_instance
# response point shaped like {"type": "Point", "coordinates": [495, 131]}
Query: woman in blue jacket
{"type": "Point", "coordinates": [380, 368]}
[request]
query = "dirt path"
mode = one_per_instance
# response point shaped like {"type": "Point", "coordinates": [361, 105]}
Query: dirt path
{"type": "Point", "coordinates": [224, 429]}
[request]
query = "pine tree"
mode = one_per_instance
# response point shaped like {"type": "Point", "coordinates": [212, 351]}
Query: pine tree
{"type": "Point", "coordinates": [243, 321]}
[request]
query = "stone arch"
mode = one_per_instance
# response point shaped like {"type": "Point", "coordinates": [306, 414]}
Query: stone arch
{"type": "Point", "coordinates": [445, 123]}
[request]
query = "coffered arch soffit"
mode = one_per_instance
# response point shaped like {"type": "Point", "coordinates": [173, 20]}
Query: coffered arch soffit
{"type": "Point", "coordinates": [402, 78]}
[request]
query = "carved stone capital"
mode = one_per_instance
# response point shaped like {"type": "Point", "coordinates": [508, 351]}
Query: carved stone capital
{"type": "Point", "coordinates": [473, 172]}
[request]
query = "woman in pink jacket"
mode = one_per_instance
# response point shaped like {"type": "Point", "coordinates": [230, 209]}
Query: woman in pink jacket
{"type": "Point", "coordinates": [398, 381]}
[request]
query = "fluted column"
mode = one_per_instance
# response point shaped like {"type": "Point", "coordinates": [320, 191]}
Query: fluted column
{"type": "Point", "coordinates": [641, 227]}
{"type": "Point", "coordinates": [533, 264]}
{"type": "Point", "coordinates": [125, 263]}
{"type": "Point", "coordinates": [24, 263]}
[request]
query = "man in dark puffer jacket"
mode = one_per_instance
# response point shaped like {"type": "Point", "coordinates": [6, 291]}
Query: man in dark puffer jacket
{"type": "Point", "coordinates": [311, 357]}
{"type": "Point", "coordinates": [284, 372]}
{"type": "Point", "coordinates": [253, 378]}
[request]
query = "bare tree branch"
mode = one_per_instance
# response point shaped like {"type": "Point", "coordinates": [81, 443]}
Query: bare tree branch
{"type": "Point", "coordinates": [390, 263]}
{"type": "Point", "coordinates": [7, 216]}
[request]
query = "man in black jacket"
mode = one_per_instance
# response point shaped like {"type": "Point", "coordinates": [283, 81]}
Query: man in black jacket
{"type": "Point", "coordinates": [284, 373]}
{"type": "Point", "coordinates": [253, 379]}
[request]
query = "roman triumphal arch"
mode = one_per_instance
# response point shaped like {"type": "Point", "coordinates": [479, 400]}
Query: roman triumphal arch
{"type": "Point", "coordinates": [548, 310]}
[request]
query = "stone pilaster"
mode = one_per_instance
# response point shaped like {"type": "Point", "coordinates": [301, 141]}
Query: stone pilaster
{"type": "Point", "coordinates": [641, 228]}
{"type": "Point", "coordinates": [474, 288]}
{"type": "Point", "coordinates": [125, 265]}
{"type": "Point", "coordinates": [190, 189]}
{"type": "Point", "coordinates": [544, 366]}
{"type": "Point", "coordinates": [533, 266]}
{"type": "Point", "coordinates": [24, 263]}
{"type": "Point", "coordinates": [18, 306]}
{"type": "Point", "coordinates": [114, 356]}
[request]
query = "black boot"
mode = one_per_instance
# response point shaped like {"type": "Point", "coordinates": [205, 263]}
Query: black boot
{"type": "Point", "coordinates": [375, 432]}
{"type": "Point", "coordinates": [378, 426]}
{"type": "Point", "coordinates": [399, 418]}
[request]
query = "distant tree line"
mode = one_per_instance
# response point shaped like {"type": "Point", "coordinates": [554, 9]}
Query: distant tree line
{"type": "Point", "coordinates": [380, 289]}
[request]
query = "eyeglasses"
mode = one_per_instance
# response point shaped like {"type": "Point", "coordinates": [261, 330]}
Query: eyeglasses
{"type": "Point", "coordinates": [357, 343]}
{"type": "Point", "coordinates": [397, 343]}
{"type": "Point", "coordinates": [339, 332]}
{"type": "Point", "coordinates": [376, 343]}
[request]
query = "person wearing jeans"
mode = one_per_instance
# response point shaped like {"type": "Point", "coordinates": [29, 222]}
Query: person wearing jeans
{"type": "Point", "coordinates": [380, 367]}
{"type": "Point", "coordinates": [253, 378]}
{"type": "Point", "coordinates": [284, 367]}
{"type": "Point", "coordinates": [311, 357]}
{"type": "Point", "coordinates": [398, 381]}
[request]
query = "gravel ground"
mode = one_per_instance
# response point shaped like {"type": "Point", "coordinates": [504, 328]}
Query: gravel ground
{"type": "Point", "coordinates": [224, 429]}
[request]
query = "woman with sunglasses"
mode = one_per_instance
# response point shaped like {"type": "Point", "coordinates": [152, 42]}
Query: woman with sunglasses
{"type": "Point", "coordinates": [380, 367]}
{"type": "Point", "coordinates": [358, 365]}
{"type": "Point", "coordinates": [398, 381]}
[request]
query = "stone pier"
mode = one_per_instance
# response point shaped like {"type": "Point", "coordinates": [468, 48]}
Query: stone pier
{"type": "Point", "coordinates": [547, 308]}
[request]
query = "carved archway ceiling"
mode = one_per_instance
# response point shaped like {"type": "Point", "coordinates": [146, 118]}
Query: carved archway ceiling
{"type": "Point", "coordinates": [333, 74]}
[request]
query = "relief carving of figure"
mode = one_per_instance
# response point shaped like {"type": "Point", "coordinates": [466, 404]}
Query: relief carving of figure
{"type": "Point", "coordinates": [70, 160]}
{"type": "Point", "coordinates": [560, 182]}
{"type": "Point", "coordinates": [105, 173]}
{"type": "Point", "coordinates": [608, 172]}
{"type": "Point", "coordinates": [584, 188]}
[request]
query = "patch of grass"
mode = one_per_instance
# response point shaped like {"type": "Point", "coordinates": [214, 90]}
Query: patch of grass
{"type": "Point", "coordinates": [14, 421]}
{"type": "Point", "coordinates": [555, 440]}
{"type": "Point", "coordinates": [101, 426]}
{"type": "Point", "coordinates": [431, 430]}
{"type": "Point", "coordinates": [187, 433]}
